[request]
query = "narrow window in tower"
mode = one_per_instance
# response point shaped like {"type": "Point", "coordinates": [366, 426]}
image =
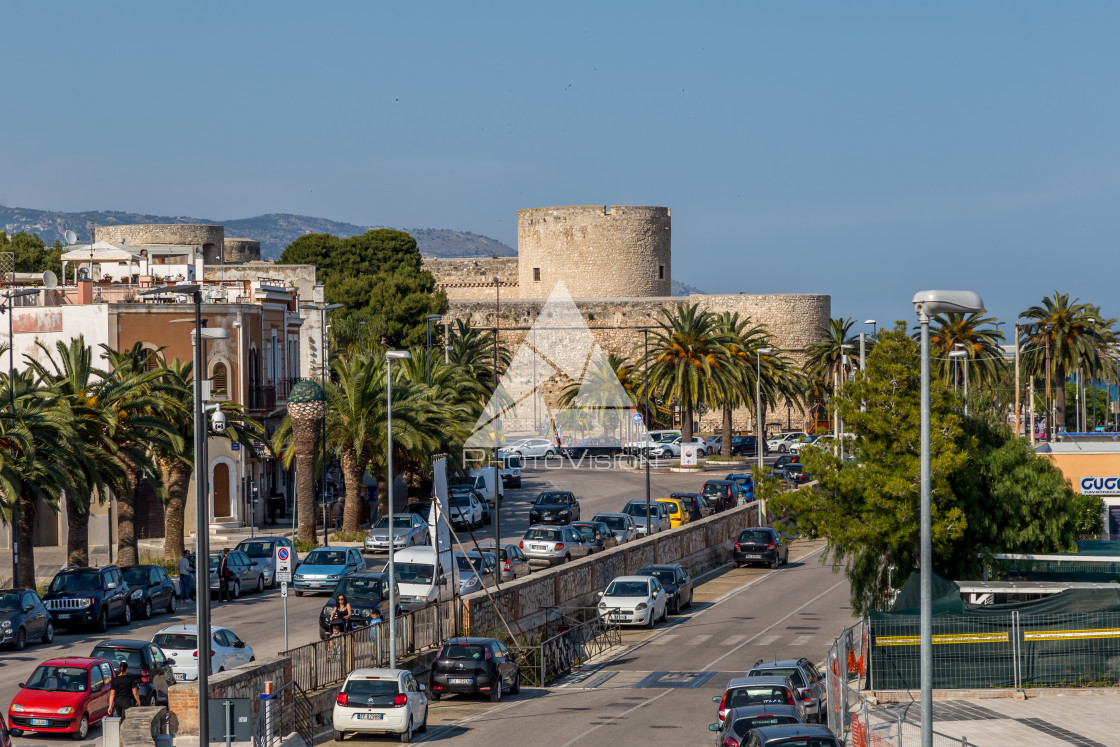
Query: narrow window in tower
{"type": "Point", "coordinates": [661, 272]}
{"type": "Point", "coordinates": [536, 274]}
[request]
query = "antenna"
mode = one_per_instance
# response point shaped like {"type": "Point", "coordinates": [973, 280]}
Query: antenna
{"type": "Point", "coordinates": [50, 280]}
{"type": "Point", "coordinates": [71, 237]}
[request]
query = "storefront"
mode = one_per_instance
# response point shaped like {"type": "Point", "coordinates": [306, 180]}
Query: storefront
{"type": "Point", "coordinates": [1093, 468]}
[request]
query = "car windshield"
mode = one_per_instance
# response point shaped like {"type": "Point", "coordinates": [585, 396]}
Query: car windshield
{"type": "Point", "coordinates": [803, 742]}
{"type": "Point", "coordinates": [9, 601]}
{"type": "Point", "coordinates": [639, 509]}
{"type": "Point", "coordinates": [414, 573]}
{"type": "Point", "coordinates": [468, 564]}
{"type": "Point", "coordinates": [758, 695]}
{"type": "Point", "coordinates": [462, 651]}
{"type": "Point", "coordinates": [627, 589]}
{"type": "Point", "coordinates": [256, 549]}
{"type": "Point", "coordinates": [713, 489]}
{"type": "Point", "coordinates": [176, 641]}
{"type": "Point", "coordinates": [743, 725]}
{"type": "Point", "coordinates": [552, 535]}
{"type": "Point", "coordinates": [130, 656]}
{"type": "Point", "coordinates": [545, 498]}
{"type": "Point", "coordinates": [793, 673]}
{"type": "Point", "coordinates": [326, 557]}
{"type": "Point", "coordinates": [614, 522]}
{"type": "Point", "coordinates": [137, 576]}
{"type": "Point", "coordinates": [664, 575]}
{"type": "Point", "coordinates": [59, 679]}
{"type": "Point", "coordinates": [671, 506]}
{"type": "Point", "coordinates": [755, 535]}
{"type": "Point", "coordinates": [77, 581]}
{"type": "Point", "coordinates": [399, 522]}
{"type": "Point", "coordinates": [587, 531]}
{"type": "Point", "coordinates": [355, 587]}
{"type": "Point", "coordinates": [368, 687]}
{"type": "Point", "coordinates": [460, 499]}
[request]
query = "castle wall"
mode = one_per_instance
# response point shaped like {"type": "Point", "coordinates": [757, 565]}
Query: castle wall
{"type": "Point", "coordinates": [474, 277]}
{"type": "Point", "coordinates": [241, 250]}
{"type": "Point", "coordinates": [210, 238]}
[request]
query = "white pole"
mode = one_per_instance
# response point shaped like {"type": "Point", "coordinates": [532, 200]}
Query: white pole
{"type": "Point", "coordinates": [392, 565]}
{"type": "Point", "coordinates": [926, 562]}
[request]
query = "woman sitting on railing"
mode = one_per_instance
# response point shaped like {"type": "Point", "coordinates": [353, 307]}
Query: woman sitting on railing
{"type": "Point", "coordinates": [342, 613]}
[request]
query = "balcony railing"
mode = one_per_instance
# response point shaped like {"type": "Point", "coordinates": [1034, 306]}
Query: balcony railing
{"type": "Point", "coordinates": [262, 398]}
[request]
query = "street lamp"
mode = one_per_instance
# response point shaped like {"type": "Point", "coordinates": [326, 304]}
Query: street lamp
{"type": "Point", "coordinates": [428, 358]}
{"type": "Point", "coordinates": [874, 326]}
{"type": "Point", "coordinates": [1092, 371]}
{"type": "Point", "coordinates": [838, 426]}
{"type": "Point", "coordinates": [955, 354]}
{"type": "Point", "coordinates": [12, 405]}
{"type": "Point", "coordinates": [758, 442]}
{"type": "Point", "coordinates": [997, 325]}
{"type": "Point", "coordinates": [645, 386]}
{"type": "Point", "coordinates": [323, 362]}
{"type": "Point", "coordinates": [927, 304]}
{"type": "Point", "coordinates": [393, 355]}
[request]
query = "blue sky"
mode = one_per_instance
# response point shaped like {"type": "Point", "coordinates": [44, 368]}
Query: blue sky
{"type": "Point", "coordinates": [864, 150]}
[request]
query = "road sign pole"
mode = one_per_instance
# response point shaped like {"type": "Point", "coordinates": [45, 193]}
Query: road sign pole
{"type": "Point", "coordinates": [284, 596]}
{"type": "Point", "coordinates": [282, 561]}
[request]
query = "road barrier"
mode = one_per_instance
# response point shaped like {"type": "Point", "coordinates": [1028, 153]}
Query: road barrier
{"type": "Point", "coordinates": [571, 647]}
{"type": "Point", "coordinates": [283, 713]}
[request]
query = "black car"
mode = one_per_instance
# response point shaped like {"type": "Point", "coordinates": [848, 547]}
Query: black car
{"type": "Point", "coordinates": [597, 446]}
{"type": "Point", "coordinates": [739, 721]}
{"type": "Point", "coordinates": [598, 535]}
{"type": "Point", "coordinates": [89, 596]}
{"type": "Point", "coordinates": [785, 460]}
{"type": "Point", "coordinates": [146, 661]}
{"type": "Point", "coordinates": [760, 545]}
{"type": "Point", "coordinates": [474, 665]}
{"type": "Point", "coordinates": [721, 494]}
{"type": "Point", "coordinates": [676, 581]}
{"type": "Point", "coordinates": [554, 507]}
{"type": "Point", "coordinates": [151, 590]}
{"type": "Point", "coordinates": [697, 507]}
{"type": "Point", "coordinates": [23, 617]}
{"type": "Point", "coordinates": [421, 508]}
{"type": "Point", "coordinates": [365, 591]}
{"type": "Point", "coordinates": [795, 474]}
{"type": "Point", "coordinates": [746, 446]}
{"type": "Point", "coordinates": [800, 734]}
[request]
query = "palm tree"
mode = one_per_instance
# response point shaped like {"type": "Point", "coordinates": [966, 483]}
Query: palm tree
{"type": "Point", "coordinates": [734, 387]}
{"type": "Point", "coordinates": [981, 345]}
{"type": "Point", "coordinates": [828, 357]}
{"type": "Point", "coordinates": [686, 354]}
{"type": "Point", "coordinates": [610, 384]}
{"type": "Point", "coordinates": [473, 350]}
{"type": "Point", "coordinates": [1062, 329]}
{"type": "Point", "coordinates": [305, 416]}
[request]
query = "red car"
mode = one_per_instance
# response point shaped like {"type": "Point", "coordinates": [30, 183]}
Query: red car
{"type": "Point", "coordinates": [62, 696]}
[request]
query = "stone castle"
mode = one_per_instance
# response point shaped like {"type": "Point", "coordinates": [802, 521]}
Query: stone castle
{"type": "Point", "coordinates": [616, 263]}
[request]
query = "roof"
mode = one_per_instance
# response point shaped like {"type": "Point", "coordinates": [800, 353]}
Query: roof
{"type": "Point", "coordinates": [73, 661]}
{"type": "Point", "coordinates": [373, 672]}
{"type": "Point", "coordinates": [102, 251]}
{"type": "Point", "coordinates": [760, 681]}
{"type": "Point", "coordinates": [643, 579]}
{"type": "Point", "coordinates": [660, 566]}
{"type": "Point", "coordinates": [125, 643]}
{"type": "Point", "coordinates": [787, 663]}
{"type": "Point", "coordinates": [188, 629]}
{"type": "Point", "coordinates": [470, 640]}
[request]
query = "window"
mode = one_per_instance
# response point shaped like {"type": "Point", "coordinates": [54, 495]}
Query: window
{"type": "Point", "coordinates": [219, 380]}
{"type": "Point", "coordinates": [661, 272]}
{"type": "Point", "coordinates": [536, 274]}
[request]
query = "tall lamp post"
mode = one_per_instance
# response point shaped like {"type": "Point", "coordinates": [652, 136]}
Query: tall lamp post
{"type": "Point", "coordinates": [392, 355]}
{"type": "Point", "coordinates": [1092, 371]}
{"type": "Point", "coordinates": [428, 320]}
{"type": "Point", "coordinates": [874, 326]}
{"type": "Point", "coordinates": [997, 325]}
{"type": "Point", "coordinates": [497, 422]}
{"type": "Point", "coordinates": [955, 354]}
{"type": "Point", "coordinates": [645, 386]}
{"type": "Point", "coordinates": [12, 406]}
{"type": "Point", "coordinates": [927, 304]}
{"type": "Point", "coordinates": [324, 361]}
{"type": "Point", "coordinates": [758, 440]}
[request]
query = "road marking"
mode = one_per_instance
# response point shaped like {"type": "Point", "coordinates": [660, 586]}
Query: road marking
{"type": "Point", "coordinates": [768, 640]}
{"type": "Point", "coordinates": [731, 640]}
{"type": "Point", "coordinates": [664, 639]}
{"type": "Point", "coordinates": [801, 640]}
{"type": "Point", "coordinates": [697, 640]}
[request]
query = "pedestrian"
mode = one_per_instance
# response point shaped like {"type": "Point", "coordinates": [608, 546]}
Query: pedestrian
{"type": "Point", "coordinates": [224, 574]}
{"type": "Point", "coordinates": [124, 692]}
{"type": "Point", "coordinates": [185, 576]}
{"type": "Point", "coordinates": [336, 513]}
{"type": "Point", "coordinates": [342, 612]}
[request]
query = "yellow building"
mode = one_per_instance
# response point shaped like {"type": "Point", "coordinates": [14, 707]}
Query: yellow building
{"type": "Point", "coordinates": [1093, 467]}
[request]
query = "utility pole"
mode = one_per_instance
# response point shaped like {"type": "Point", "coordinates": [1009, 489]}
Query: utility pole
{"type": "Point", "coordinates": [1018, 416]}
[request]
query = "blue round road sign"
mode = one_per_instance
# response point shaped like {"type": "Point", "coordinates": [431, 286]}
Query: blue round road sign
{"type": "Point", "coordinates": [637, 417]}
{"type": "Point", "coordinates": [282, 553]}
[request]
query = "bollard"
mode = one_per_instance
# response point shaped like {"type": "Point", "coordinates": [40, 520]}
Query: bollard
{"type": "Point", "coordinates": [229, 721]}
{"type": "Point", "coordinates": [111, 731]}
{"type": "Point", "coordinates": [267, 697]}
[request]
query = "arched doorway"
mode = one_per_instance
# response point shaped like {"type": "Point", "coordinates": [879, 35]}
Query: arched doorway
{"type": "Point", "coordinates": [221, 491]}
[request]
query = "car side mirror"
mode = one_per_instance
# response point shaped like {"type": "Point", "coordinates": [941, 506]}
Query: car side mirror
{"type": "Point", "coordinates": [423, 687]}
{"type": "Point", "coordinates": [239, 644]}
{"type": "Point", "coordinates": [256, 564]}
{"type": "Point", "coordinates": [111, 585]}
{"type": "Point", "coordinates": [716, 699]}
{"type": "Point", "coordinates": [600, 596]}
{"type": "Point", "coordinates": [713, 727]}
{"type": "Point", "coordinates": [23, 684]}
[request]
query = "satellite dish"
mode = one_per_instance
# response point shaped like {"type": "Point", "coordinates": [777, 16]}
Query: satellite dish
{"type": "Point", "coordinates": [71, 238]}
{"type": "Point", "coordinates": [50, 280]}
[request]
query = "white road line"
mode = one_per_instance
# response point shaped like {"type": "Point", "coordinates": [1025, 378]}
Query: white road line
{"type": "Point", "coordinates": [664, 639]}
{"type": "Point", "coordinates": [731, 640]}
{"type": "Point", "coordinates": [768, 640]}
{"type": "Point", "coordinates": [801, 640]}
{"type": "Point", "coordinates": [698, 640]}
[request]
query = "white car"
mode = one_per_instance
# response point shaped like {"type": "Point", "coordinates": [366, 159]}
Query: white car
{"type": "Point", "coordinates": [381, 701]}
{"type": "Point", "coordinates": [783, 441]}
{"type": "Point", "coordinates": [673, 448]}
{"type": "Point", "coordinates": [180, 644]}
{"type": "Point", "coordinates": [465, 512]}
{"type": "Point", "coordinates": [634, 600]}
{"type": "Point", "coordinates": [532, 448]}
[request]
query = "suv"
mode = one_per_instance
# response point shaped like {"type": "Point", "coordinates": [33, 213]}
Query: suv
{"type": "Point", "coordinates": [146, 661]}
{"type": "Point", "coordinates": [88, 596]}
{"type": "Point", "coordinates": [554, 507]}
{"type": "Point", "coordinates": [806, 678]}
{"type": "Point", "coordinates": [722, 494]}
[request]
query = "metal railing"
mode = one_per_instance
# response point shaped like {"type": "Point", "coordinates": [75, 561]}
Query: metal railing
{"type": "Point", "coordinates": [571, 647]}
{"type": "Point", "coordinates": [328, 662]}
{"type": "Point", "coordinates": [287, 712]}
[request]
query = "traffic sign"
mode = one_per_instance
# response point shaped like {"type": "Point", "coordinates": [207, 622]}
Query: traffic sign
{"type": "Point", "coordinates": [283, 564]}
{"type": "Point", "coordinates": [637, 418]}
{"type": "Point", "coordinates": [284, 593]}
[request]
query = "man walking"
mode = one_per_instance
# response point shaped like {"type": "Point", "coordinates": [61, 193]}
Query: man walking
{"type": "Point", "coordinates": [185, 576]}
{"type": "Point", "coordinates": [223, 574]}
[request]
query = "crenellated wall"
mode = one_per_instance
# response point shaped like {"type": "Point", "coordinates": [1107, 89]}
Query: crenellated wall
{"type": "Point", "coordinates": [474, 277]}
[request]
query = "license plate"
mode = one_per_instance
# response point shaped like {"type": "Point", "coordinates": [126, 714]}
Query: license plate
{"type": "Point", "coordinates": [39, 722]}
{"type": "Point", "coordinates": [460, 681]}
{"type": "Point", "coordinates": [64, 616]}
{"type": "Point", "coordinates": [539, 547]}
{"type": "Point", "coordinates": [371, 716]}
{"type": "Point", "coordinates": [755, 557]}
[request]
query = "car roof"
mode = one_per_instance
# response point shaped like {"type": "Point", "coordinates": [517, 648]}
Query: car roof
{"type": "Point", "coordinates": [660, 567]}
{"type": "Point", "coordinates": [792, 730]}
{"type": "Point", "coordinates": [73, 661]}
{"type": "Point", "coordinates": [191, 629]}
{"type": "Point", "coordinates": [717, 482]}
{"type": "Point", "coordinates": [610, 513]}
{"type": "Point", "coordinates": [471, 640]}
{"type": "Point", "coordinates": [784, 663]}
{"type": "Point", "coordinates": [367, 574]}
{"type": "Point", "coordinates": [264, 538]}
{"type": "Point", "coordinates": [643, 579]}
{"type": "Point", "coordinates": [755, 681]}
{"type": "Point", "coordinates": [374, 672]}
{"type": "Point", "coordinates": [737, 475]}
{"type": "Point", "coordinates": [125, 643]}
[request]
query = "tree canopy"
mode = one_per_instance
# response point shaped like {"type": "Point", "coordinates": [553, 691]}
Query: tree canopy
{"type": "Point", "coordinates": [31, 253]}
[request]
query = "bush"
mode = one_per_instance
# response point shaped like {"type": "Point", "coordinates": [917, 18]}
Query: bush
{"type": "Point", "coordinates": [303, 546]}
{"type": "Point", "coordinates": [171, 566]}
{"type": "Point", "coordinates": [355, 536]}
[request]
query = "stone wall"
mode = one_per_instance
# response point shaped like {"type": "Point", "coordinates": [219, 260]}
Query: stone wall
{"type": "Point", "coordinates": [240, 682]}
{"type": "Point", "coordinates": [142, 724]}
{"type": "Point", "coordinates": [474, 277]}
{"type": "Point", "coordinates": [241, 250]}
{"type": "Point", "coordinates": [209, 237]}
{"type": "Point", "coordinates": [531, 601]}
{"type": "Point", "coordinates": [598, 251]}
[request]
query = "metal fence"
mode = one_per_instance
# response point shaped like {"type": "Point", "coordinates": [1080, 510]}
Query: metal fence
{"type": "Point", "coordinates": [571, 647]}
{"type": "Point", "coordinates": [288, 711]}
{"type": "Point", "coordinates": [329, 662]}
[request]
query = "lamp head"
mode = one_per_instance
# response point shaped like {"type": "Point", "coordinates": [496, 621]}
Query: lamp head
{"type": "Point", "coordinates": [957, 354]}
{"type": "Point", "coordinates": [398, 355]}
{"type": "Point", "coordinates": [933, 302]}
{"type": "Point", "coordinates": [869, 321]}
{"type": "Point", "coordinates": [333, 306]}
{"type": "Point", "coordinates": [765, 351]}
{"type": "Point", "coordinates": [434, 317]}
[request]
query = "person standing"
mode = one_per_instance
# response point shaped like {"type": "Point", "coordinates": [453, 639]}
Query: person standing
{"type": "Point", "coordinates": [223, 574]}
{"type": "Point", "coordinates": [124, 692]}
{"type": "Point", "coordinates": [185, 576]}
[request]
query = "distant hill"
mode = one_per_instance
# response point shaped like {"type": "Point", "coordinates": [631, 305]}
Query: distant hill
{"type": "Point", "coordinates": [275, 230]}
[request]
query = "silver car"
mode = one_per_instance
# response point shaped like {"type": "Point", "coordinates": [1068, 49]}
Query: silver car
{"type": "Point", "coordinates": [511, 561]}
{"type": "Point", "coordinates": [553, 545]}
{"type": "Point", "coordinates": [409, 530]}
{"type": "Point", "coordinates": [247, 574]}
{"type": "Point", "coordinates": [532, 448]}
{"type": "Point", "coordinates": [263, 550]}
{"type": "Point", "coordinates": [475, 570]}
{"type": "Point", "coordinates": [658, 515]}
{"type": "Point", "coordinates": [623, 526]}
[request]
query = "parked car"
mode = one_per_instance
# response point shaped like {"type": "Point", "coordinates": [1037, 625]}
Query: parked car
{"type": "Point", "coordinates": [151, 589]}
{"type": "Point", "coordinates": [738, 445]}
{"type": "Point", "coordinates": [598, 535]}
{"type": "Point", "coordinates": [365, 591]}
{"type": "Point", "coordinates": [722, 494]}
{"type": "Point", "coordinates": [553, 545]}
{"type": "Point", "coordinates": [554, 507]}
{"type": "Point", "coordinates": [510, 470]}
{"type": "Point", "coordinates": [247, 574]}
{"type": "Point", "coordinates": [810, 683]}
{"type": "Point", "coordinates": [146, 661]}
{"type": "Point", "coordinates": [464, 511]}
{"type": "Point", "coordinates": [408, 530]}
{"type": "Point", "coordinates": [623, 526]}
{"type": "Point", "coordinates": [782, 441]}
{"type": "Point", "coordinates": [380, 701]}
{"type": "Point", "coordinates": [791, 734]}
{"type": "Point", "coordinates": [748, 691]}
{"type": "Point", "coordinates": [653, 440]}
{"type": "Point", "coordinates": [263, 551]}
{"type": "Point", "coordinates": [732, 731]}
{"type": "Point", "coordinates": [746, 446]}
{"type": "Point", "coordinates": [672, 448]}
{"type": "Point", "coordinates": [180, 644]}
{"type": "Point", "coordinates": [420, 507]}
{"type": "Point", "coordinates": [324, 566]}
{"type": "Point", "coordinates": [608, 446]}
{"type": "Point", "coordinates": [62, 696]}
{"type": "Point", "coordinates": [698, 508]}
{"type": "Point", "coordinates": [483, 483]}
{"type": "Point", "coordinates": [795, 475]}
{"type": "Point", "coordinates": [512, 563]}
{"type": "Point", "coordinates": [760, 546]}
{"type": "Point", "coordinates": [785, 459]}
{"type": "Point", "coordinates": [531, 448]}
{"type": "Point", "coordinates": [475, 665]}
{"type": "Point", "coordinates": [88, 596]}
{"type": "Point", "coordinates": [745, 482]}
{"type": "Point", "coordinates": [678, 514]}
{"type": "Point", "coordinates": [658, 516]}
{"type": "Point", "coordinates": [634, 600]}
{"type": "Point", "coordinates": [676, 582]}
{"type": "Point", "coordinates": [476, 570]}
{"type": "Point", "coordinates": [23, 617]}
{"type": "Point", "coordinates": [797, 446]}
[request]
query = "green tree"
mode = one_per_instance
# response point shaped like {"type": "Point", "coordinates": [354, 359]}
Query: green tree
{"type": "Point", "coordinates": [606, 382]}
{"type": "Point", "coordinates": [972, 334]}
{"type": "Point", "coordinates": [380, 278]}
{"type": "Point", "coordinates": [31, 253]}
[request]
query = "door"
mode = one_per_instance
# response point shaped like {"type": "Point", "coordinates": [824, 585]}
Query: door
{"type": "Point", "coordinates": [35, 615]}
{"type": "Point", "coordinates": [162, 678]}
{"type": "Point", "coordinates": [1114, 522]}
{"type": "Point", "coordinates": [221, 491]}
{"type": "Point", "coordinates": [98, 703]}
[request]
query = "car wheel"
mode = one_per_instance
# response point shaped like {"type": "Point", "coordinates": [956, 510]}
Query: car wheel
{"type": "Point", "coordinates": [777, 563]}
{"type": "Point", "coordinates": [434, 696]}
{"type": "Point", "coordinates": [496, 692]}
{"type": "Point", "coordinates": [549, 454]}
{"type": "Point", "coordinates": [172, 604]}
{"type": "Point", "coordinates": [260, 584]}
{"type": "Point", "coordinates": [406, 735]}
{"type": "Point", "coordinates": [689, 605]}
{"type": "Point", "coordinates": [423, 727]}
{"type": "Point", "coordinates": [516, 687]}
{"type": "Point", "coordinates": [21, 639]}
{"type": "Point", "coordinates": [102, 622]}
{"type": "Point", "coordinates": [299, 593]}
{"type": "Point", "coordinates": [48, 634]}
{"type": "Point", "coordinates": [567, 558]}
{"type": "Point", "coordinates": [83, 728]}
{"type": "Point", "coordinates": [152, 701]}
{"type": "Point", "coordinates": [126, 618]}
{"type": "Point", "coordinates": [147, 613]}
{"type": "Point", "coordinates": [236, 590]}
{"type": "Point", "coordinates": [738, 564]}
{"type": "Point", "coordinates": [339, 736]}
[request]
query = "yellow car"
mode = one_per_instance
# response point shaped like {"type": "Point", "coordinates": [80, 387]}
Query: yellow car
{"type": "Point", "coordinates": [678, 513]}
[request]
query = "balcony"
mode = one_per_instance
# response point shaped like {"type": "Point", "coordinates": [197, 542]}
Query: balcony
{"type": "Point", "coordinates": [262, 398]}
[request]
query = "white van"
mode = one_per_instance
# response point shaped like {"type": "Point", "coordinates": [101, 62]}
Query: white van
{"type": "Point", "coordinates": [483, 480]}
{"type": "Point", "coordinates": [418, 580]}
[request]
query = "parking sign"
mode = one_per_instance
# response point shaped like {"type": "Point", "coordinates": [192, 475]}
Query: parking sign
{"type": "Point", "coordinates": [283, 564]}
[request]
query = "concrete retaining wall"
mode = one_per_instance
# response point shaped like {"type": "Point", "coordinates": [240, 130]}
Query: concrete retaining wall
{"type": "Point", "coordinates": [240, 682]}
